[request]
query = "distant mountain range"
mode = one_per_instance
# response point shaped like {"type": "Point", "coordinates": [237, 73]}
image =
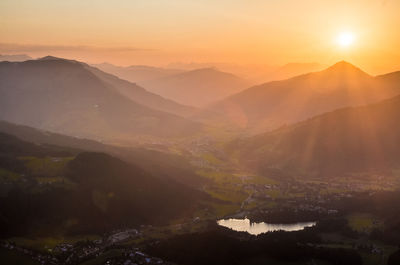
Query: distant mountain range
{"type": "Point", "coordinates": [357, 132]}
{"type": "Point", "coordinates": [353, 140]}
{"type": "Point", "coordinates": [195, 87]}
{"type": "Point", "coordinates": [198, 87]}
{"type": "Point", "coordinates": [73, 98]}
{"type": "Point", "coordinates": [273, 104]}
{"type": "Point", "coordinates": [137, 73]}
{"type": "Point", "coordinates": [142, 96]}
{"type": "Point", "coordinates": [15, 57]}
{"type": "Point", "coordinates": [294, 69]}
{"type": "Point", "coordinates": [256, 73]}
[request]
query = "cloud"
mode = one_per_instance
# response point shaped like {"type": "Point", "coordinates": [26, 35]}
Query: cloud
{"type": "Point", "coordinates": [15, 47]}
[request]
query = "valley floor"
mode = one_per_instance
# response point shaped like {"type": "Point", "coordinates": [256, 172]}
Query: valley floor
{"type": "Point", "coordinates": [235, 193]}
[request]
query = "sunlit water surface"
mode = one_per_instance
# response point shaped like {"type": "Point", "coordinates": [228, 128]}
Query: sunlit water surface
{"type": "Point", "coordinates": [244, 225]}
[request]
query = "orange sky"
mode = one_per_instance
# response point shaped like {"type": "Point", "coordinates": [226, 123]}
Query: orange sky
{"type": "Point", "coordinates": [158, 32]}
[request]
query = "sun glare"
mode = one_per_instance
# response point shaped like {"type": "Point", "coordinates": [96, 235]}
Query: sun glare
{"type": "Point", "coordinates": [345, 39]}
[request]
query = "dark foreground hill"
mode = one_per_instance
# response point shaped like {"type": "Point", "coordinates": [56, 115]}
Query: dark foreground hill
{"type": "Point", "coordinates": [49, 189]}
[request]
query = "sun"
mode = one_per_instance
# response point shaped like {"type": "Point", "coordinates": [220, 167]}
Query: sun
{"type": "Point", "coordinates": [345, 39]}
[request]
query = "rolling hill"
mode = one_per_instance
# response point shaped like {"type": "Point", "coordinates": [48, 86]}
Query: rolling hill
{"type": "Point", "coordinates": [271, 105]}
{"type": "Point", "coordinates": [137, 73]}
{"type": "Point", "coordinates": [66, 96]}
{"type": "Point", "coordinates": [163, 165]}
{"type": "Point", "coordinates": [198, 87]}
{"type": "Point", "coordinates": [350, 140]}
{"type": "Point", "coordinates": [47, 188]}
{"type": "Point", "coordinates": [142, 96]}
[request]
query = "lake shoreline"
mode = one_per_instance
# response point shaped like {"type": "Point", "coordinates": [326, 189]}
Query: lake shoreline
{"type": "Point", "coordinates": [257, 228]}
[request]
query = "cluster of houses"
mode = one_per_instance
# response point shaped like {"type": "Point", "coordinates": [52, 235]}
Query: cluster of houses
{"type": "Point", "coordinates": [135, 257]}
{"type": "Point", "coordinates": [369, 247]}
{"type": "Point", "coordinates": [45, 259]}
{"type": "Point", "coordinates": [123, 235]}
{"type": "Point", "coordinates": [66, 253]}
{"type": "Point", "coordinates": [316, 208]}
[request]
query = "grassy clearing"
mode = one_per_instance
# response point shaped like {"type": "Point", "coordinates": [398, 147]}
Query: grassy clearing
{"type": "Point", "coordinates": [220, 210]}
{"type": "Point", "coordinates": [210, 158]}
{"type": "Point", "coordinates": [220, 177]}
{"type": "Point", "coordinates": [252, 205]}
{"type": "Point", "coordinates": [224, 186]}
{"type": "Point", "coordinates": [47, 166]}
{"type": "Point", "coordinates": [275, 194]}
{"type": "Point", "coordinates": [268, 205]}
{"type": "Point", "coordinates": [174, 150]}
{"type": "Point", "coordinates": [262, 180]}
{"type": "Point", "coordinates": [6, 175]}
{"type": "Point", "coordinates": [230, 195]}
{"type": "Point", "coordinates": [362, 222]}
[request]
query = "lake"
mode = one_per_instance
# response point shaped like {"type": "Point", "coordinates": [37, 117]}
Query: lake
{"type": "Point", "coordinates": [244, 225]}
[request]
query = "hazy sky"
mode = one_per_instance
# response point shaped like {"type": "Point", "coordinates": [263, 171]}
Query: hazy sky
{"type": "Point", "coordinates": [234, 31]}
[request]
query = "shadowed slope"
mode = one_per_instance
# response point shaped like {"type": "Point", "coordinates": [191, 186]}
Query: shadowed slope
{"type": "Point", "coordinates": [360, 139]}
{"type": "Point", "coordinates": [167, 166]}
{"type": "Point", "coordinates": [99, 192]}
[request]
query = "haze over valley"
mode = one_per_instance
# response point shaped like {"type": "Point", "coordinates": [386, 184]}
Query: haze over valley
{"type": "Point", "coordinates": [211, 132]}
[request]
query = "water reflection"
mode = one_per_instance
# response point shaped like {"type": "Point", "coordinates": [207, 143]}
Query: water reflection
{"type": "Point", "coordinates": [244, 225]}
